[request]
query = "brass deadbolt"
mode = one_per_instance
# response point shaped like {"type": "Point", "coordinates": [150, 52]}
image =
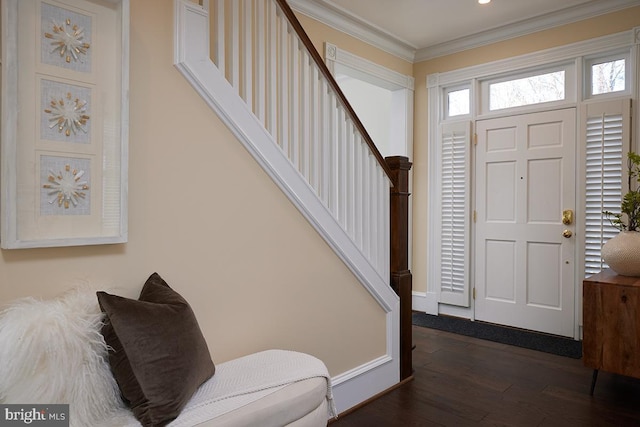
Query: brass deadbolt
{"type": "Point", "coordinates": [567, 217]}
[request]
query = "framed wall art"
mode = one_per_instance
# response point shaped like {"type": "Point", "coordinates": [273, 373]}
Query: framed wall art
{"type": "Point", "coordinates": [64, 122]}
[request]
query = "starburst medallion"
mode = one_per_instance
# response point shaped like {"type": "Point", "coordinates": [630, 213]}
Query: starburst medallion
{"type": "Point", "coordinates": [66, 187]}
{"type": "Point", "coordinates": [69, 116]}
{"type": "Point", "coordinates": [67, 40]}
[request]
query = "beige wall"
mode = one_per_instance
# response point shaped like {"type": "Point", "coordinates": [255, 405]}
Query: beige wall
{"type": "Point", "coordinates": [210, 221]}
{"type": "Point", "coordinates": [320, 33]}
{"type": "Point", "coordinates": [583, 30]}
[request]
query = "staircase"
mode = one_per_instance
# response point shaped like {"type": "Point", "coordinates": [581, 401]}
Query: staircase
{"type": "Point", "coordinates": [252, 63]}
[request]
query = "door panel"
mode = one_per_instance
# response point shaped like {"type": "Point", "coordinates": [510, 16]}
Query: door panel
{"type": "Point", "coordinates": [542, 178]}
{"type": "Point", "coordinates": [525, 178]}
{"type": "Point", "coordinates": [501, 201]}
{"type": "Point", "coordinates": [501, 281]}
{"type": "Point", "coordinates": [543, 273]}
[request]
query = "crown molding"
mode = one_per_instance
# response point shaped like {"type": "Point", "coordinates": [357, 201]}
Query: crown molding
{"type": "Point", "coordinates": [621, 40]}
{"type": "Point", "coordinates": [336, 17]}
{"type": "Point", "coordinates": [521, 28]}
{"type": "Point", "coordinates": [342, 20]}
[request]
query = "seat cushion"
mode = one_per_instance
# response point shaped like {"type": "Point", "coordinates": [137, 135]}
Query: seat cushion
{"type": "Point", "coordinates": [283, 407]}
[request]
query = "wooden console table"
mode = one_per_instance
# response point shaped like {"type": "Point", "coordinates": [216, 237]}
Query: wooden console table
{"type": "Point", "coordinates": [611, 324]}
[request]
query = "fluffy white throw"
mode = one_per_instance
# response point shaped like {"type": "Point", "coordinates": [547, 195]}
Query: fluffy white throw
{"type": "Point", "coordinates": [51, 351]}
{"type": "Point", "coordinates": [241, 381]}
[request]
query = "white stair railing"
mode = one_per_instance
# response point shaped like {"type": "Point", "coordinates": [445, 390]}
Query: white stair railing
{"type": "Point", "coordinates": [269, 66]}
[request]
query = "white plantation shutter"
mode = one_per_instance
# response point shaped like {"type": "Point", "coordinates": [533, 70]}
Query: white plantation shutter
{"type": "Point", "coordinates": [455, 195]}
{"type": "Point", "coordinates": [607, 140]}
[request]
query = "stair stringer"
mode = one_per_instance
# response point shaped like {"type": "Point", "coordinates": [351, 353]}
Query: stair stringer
{"type": "Point", "coordinates": [191, 58]}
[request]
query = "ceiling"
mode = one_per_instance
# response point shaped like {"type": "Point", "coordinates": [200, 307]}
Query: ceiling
{"type": "Point", "coordinates": [423, 23]}
{"type": "Point", "coordinates": [430, 28]}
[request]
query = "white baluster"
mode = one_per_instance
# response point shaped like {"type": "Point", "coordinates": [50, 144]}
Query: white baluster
{"type": "Point", "coordinates": [325, 143]}
{"type": "Point", "coordinates": [352, 178]}
{"type": "Point", "coordinates": [305, 102]}
{"type": "Point", "coordinates": [261, 42]}
{"type": "Point", "coordinates": [342, 167]}
{"type": "Point", "coordinates": [283, 72]}
{"type": "Point", "coordinates": [315, 140]}
{"type": "Point", "coordinates": [219, 42]}
{"type": "Point", "coordinates": [372, 204]}
{"type": "Point", "coordinates": [332, 167]}
{"type": "Point", "coordinates": [247, 53]}
{"type": "Point", "coordinates": [368, 205]}
{"type": "Point", "coordinates": [294, 100]}
{"type": "Point", "coordinates": [272, 70]}
{"type": "Point", "coordinates": [234, 58]}
{"type": "Point", "coordinates": [360, 194]}
{"type": "Point", "coordinates": [385, 239]}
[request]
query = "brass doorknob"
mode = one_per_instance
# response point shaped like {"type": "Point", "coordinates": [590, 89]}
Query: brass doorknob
{"type": "Point", "coordinates": [567, 234]}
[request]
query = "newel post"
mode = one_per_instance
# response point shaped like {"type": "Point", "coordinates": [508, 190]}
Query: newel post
{"type": "Point", "coordinates": [400, 274]}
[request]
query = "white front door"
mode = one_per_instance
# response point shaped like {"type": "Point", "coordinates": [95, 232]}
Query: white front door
{"type": "Point", "coordinates": [524, 256]}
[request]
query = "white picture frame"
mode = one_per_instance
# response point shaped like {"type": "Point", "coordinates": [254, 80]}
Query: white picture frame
{"type": "Point", "coordinates": [64, 123]}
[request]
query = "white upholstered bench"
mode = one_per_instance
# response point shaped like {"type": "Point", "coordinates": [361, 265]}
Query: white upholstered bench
{"type": "Point", "coordinates": [54, 351]}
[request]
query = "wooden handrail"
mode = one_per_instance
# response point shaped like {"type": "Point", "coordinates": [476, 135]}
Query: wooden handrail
{"type": "Point", "coordinates": [313, 52]}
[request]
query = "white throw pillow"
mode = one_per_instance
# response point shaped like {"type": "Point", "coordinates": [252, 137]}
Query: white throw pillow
{"type": "Point", "coordinates": [53, 352]}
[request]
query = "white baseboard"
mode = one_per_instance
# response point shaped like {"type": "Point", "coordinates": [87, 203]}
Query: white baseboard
{"type": "Point", "coordinates": [362, 383]}
{"type": "Point", "coordinates": [455, 311]}
{"type": "Point", "coordinates": [426, 302]}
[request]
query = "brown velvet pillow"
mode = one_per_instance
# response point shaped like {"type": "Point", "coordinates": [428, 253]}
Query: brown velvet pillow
{"type": "Point", "coordinates": [159, 355]}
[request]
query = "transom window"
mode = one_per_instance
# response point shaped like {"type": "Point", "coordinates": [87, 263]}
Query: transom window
{"type": "Point", "coordinates": [553, 85]}
{"type": "Point", "coordinates": [529, 90]}
{"type": "Point", "coordinates": [608, 77]}
{"type": "Point", "coordinates": [605, 75]}
{"type": "Point", "coordinates": [457, 102]}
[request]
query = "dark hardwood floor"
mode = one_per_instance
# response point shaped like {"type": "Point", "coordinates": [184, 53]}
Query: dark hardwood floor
{"type": "Point", "coordinates": [462, 381]}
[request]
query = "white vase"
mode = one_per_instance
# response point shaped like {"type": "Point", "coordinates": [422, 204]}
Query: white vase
{"type": "Point", "coordinates": [622, 253]}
